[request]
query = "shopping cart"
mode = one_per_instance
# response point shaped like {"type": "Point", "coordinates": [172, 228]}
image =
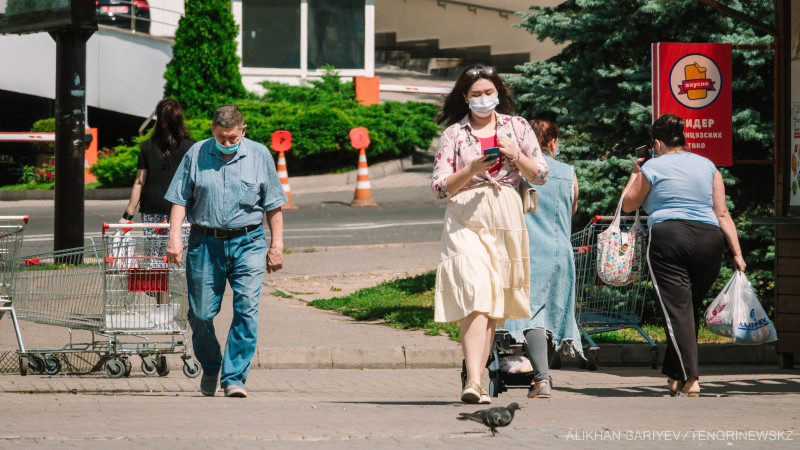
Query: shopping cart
{"type": "Point", "coordinates": [601, 307]}
{"type": "Point", "coordinates": [121, 290]}
{"type": "Point", "coordinates": [12, 229]}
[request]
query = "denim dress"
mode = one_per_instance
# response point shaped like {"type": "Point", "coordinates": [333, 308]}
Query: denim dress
{"type": "Point", "coordinates": [552, 264]}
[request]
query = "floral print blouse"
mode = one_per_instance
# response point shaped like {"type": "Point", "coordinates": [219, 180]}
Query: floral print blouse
{"type": "Point", "coordinates": [458, 147]}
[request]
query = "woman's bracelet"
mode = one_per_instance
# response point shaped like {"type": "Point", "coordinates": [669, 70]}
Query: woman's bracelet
{"type": "Point", "coordinates": [127, 216]}
{"type": "Point", "coordinates": [516, 158]}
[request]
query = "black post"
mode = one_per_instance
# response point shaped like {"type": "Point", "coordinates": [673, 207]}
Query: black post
{"type": "Point", "coordinates": [70, 133]}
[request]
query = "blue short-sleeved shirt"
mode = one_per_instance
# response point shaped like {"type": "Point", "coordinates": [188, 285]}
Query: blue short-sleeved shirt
{"type": "Point", "coordinates": [681, 188]}
{"type": "Point", "coordinates": [226, 194]}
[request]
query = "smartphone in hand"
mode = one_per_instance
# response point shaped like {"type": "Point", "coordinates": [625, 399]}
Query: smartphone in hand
{"type": "Point", "coordinates": [643, 152]}
{"type": "Point", "coordinates": [493, 152]}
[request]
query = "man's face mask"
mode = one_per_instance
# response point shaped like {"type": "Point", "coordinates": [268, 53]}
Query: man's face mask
{"type": "Point", "coordinates": [227, 150]}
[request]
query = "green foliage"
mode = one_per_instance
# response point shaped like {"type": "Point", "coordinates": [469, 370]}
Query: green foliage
{"type": "Point", "coordinates": [599, 88]}
{"type": "Point", "coordinates": [404, 303]}
{"type": "Point", "coordinates": [38, 175]}
{"type": "Point", "coordinates": [320, 118]}
{"type": "Point", "coordinates": [204, 71]}
{"type": "Point", "coordinates": [118, 168]}
{"type": "Point", "coordinates": [40, 126]}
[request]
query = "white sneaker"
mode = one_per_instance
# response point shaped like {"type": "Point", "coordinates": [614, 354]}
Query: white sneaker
{"type": "Point", "coordinates": [471, 393]}
{"type": "Point", "coordinates": [485, 397]}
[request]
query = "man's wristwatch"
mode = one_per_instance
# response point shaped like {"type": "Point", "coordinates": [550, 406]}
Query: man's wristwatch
{"type": "Point", "coordinates": [127, 216]}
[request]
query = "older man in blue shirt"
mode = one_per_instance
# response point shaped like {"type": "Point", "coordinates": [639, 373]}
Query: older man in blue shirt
{"type": "Point", "coordinates": [226, 184]}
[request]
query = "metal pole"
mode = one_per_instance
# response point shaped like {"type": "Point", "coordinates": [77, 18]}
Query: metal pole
{"type": "Point", "coordinates": [70, 133]}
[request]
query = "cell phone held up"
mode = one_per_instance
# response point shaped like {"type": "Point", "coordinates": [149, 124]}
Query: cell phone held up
{"type": "Point", "coordinates": [493, 152]}
{"type": "Point", "coordinates": [643, 152]}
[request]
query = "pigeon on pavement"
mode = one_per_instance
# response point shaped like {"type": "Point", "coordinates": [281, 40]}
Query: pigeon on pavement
{"type": "Point", "coordinates": [493, 418]}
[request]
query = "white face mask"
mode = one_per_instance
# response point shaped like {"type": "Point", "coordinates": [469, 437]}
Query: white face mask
{"type": "Point", "coordinates": [483, 106]}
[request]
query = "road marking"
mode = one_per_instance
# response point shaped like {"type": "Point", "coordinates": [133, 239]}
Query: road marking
{"type": "Point", "coordinates": [366, 226]}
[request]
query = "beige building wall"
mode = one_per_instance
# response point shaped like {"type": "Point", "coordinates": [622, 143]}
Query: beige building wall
{"type": "Point", "coordinates": [464, 24]}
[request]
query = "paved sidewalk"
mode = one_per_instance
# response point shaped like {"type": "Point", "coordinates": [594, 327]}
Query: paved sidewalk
{"type": "Point", "coordinates": [752, 407]}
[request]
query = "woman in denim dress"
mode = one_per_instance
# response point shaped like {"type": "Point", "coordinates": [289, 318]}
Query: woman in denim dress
{"type": "Point", "coordinates": [552, 267]}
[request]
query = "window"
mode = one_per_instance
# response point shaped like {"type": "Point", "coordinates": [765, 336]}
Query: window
{"type": "Point", "coordinates": [336, 34]}
{"type": "Point", "coordinates": [271, 33]}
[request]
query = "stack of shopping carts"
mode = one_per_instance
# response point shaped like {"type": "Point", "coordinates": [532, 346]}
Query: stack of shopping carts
{"type": "Point", "coordinates": [120, 290]}
{"type": "Point", "coordinates": [12, 229]}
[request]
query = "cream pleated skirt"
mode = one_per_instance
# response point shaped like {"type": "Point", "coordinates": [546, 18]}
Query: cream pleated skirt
{"type": "Point", "coordinates": [484, 263]}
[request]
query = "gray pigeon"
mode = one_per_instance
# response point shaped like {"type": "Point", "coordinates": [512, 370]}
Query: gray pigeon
{"type": "Point", "coordinates": [493, 418]}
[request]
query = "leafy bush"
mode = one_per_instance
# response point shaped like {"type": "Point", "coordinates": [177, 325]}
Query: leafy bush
{"type": "Point", "coordinates": [40, 126]}
{"type": "Point", "coordinates": [118, 168]}
{"type": "Point", "coordinates": [320, 117]}
{"type": "Point", "coordinates": [38, 175]}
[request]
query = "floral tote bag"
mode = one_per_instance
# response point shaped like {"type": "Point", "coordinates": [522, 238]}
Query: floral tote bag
{"type": "Point", "coordinates": [620, 251]}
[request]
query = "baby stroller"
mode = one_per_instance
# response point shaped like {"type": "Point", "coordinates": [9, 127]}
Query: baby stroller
{"type": "Point", "coordinates": [505, 346]}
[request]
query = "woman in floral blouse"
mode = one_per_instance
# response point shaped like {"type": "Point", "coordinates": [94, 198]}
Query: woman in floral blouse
{"type": "Point", "coordinates": [483, 275]}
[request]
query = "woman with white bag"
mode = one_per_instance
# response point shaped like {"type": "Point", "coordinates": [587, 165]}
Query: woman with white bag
{"type": "Point", "coordinates": [684, 196]}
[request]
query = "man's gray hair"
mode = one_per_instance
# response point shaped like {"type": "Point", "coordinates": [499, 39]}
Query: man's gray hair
{"type": "Point", "coordinates": [228, 116]}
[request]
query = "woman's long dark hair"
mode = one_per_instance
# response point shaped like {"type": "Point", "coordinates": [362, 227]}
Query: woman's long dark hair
{"type": "Point", "coordinates": [455, 107]}
{"type": "Point", "coordinates": [169, 129]}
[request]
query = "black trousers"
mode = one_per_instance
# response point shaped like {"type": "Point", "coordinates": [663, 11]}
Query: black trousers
{"type": "Point", "coordinates": [684, 258]}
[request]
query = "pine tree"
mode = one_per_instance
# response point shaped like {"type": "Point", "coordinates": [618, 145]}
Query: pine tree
{"type": "Point", "coordinates": [599, 90]}
{"type": "Point", "coordinates": [204, 71]}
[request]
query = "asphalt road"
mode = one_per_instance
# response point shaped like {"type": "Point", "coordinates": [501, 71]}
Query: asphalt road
{"type": "Point", "coordinates": [404, 215]}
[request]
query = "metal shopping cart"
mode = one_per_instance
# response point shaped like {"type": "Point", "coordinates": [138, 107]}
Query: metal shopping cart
{"type": "Point", "coordinates": [120, 290]}
{"type": "Point", "coordinates": [12, 229]}
{"type": "Point", "coordinates": [601, 307]}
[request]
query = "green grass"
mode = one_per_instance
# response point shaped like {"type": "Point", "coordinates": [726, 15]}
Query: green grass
{"type": "Point", "coordinates": [43, 186]}
{"type": "Point", "coordinates": [656, 333]}
{"type": "Point", "coordinates": [404, 303]}
{"type": "Point", "coordinates": [28, 187]}
{"type": "Point", "coordinates": [408, 304]}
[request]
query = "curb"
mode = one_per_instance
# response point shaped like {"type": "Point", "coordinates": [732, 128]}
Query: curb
{"type": "Point", "coordinates": [358, 358]}
{"type": "Point", "coordinates": [609, 355]}
{"type": "Point", "coordinates": [379, 170]}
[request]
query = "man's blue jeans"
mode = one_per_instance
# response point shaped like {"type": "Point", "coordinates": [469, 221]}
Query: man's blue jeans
{"type": "Point", "coordinates": [209, 263]}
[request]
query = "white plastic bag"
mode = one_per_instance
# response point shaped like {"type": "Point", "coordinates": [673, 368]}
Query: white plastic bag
{"type": "Point", "coordinates": [750, 322]}
{"type": "Point", "coordinates": [121, 251]}
{"type": "Point", "coordinates": [718, 315]}
{"type": "Point", "coordinates": [515, 364]}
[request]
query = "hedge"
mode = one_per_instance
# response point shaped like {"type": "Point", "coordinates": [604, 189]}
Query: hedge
{"type": "Point", "coordinates": [319, 117]}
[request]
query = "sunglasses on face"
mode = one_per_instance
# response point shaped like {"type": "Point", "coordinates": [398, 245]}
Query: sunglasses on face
{"type": "Point", "coordinates": [485, 70]}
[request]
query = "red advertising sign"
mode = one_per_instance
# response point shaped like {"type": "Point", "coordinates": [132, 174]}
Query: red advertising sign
{"type": "Point", "coordinates": [693, 81]}
{"type": "Point", "coordinates": [359, 138]}
{"type": "Point", "coordinates": [281, 141]}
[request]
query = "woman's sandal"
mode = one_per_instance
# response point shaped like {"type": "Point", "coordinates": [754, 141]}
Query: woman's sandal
{"type": "Point", "coordinates": [678, 386]}
{"type": "Point", "coordinates": [540, 389]}
{"type": "Point", "coordinates": [692, 394]}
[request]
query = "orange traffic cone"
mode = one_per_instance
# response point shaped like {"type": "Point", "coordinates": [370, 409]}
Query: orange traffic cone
{"type": "Point", "coordinates": [283, 175]}
{"type": "Point", "coordinates": [363, 195]}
